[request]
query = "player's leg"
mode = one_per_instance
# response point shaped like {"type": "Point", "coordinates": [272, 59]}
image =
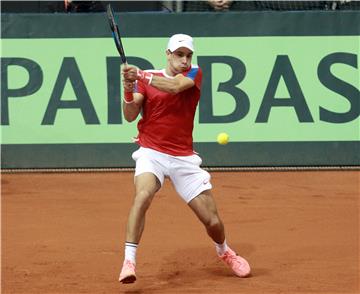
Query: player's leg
{"type": "Point", "coordinates": [146, 185]}
{"type": "Point", "coordinates": [205, 209]}
{"type": "Point", "coordinates": [193, 185]}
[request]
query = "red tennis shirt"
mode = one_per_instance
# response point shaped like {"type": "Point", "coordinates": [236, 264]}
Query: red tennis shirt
{"type": "Point", "coordinates": [168, 119]}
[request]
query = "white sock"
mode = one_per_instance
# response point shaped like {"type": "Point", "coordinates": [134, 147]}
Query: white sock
{"type": "Point", "coordinates": [221, 248]}
{"type": "Point", "coordinates": [130, 251]}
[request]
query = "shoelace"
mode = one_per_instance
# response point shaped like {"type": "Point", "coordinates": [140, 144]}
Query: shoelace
{"type": "Point", "coordinates": [231, 259]}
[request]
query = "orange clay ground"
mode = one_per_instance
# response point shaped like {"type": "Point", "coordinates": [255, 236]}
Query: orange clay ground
{"type": "Point", "coordinates": [64, 233]}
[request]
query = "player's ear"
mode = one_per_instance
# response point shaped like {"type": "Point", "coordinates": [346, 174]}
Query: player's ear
{"type": "Point", "coordinates": [168, 55]}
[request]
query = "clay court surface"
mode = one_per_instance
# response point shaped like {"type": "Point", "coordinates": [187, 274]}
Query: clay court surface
{"type": "Point", "coordinates": [64, 233]}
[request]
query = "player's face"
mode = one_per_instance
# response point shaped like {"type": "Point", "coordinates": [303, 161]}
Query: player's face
{"type": "Point", "coordinates": [179, 60]}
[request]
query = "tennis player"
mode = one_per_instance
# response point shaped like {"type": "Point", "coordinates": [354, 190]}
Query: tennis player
{"type": "Point", "coordinates": [167, 100]}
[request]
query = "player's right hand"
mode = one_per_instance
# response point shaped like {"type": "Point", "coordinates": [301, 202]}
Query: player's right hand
{"type": "Point", "coordinates": [128, 85]}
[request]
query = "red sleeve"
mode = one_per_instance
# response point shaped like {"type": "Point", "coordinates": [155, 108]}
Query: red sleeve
{"type": "Point", "coordinates": [140, 88]}
{"type": "Point", "coordinates": [195, 73]}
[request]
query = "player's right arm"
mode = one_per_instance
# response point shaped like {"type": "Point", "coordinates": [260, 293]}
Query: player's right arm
{"type": "Point", "coordinates": [132, 102]}
{"type": "Point", "coordinates": [132, 109]}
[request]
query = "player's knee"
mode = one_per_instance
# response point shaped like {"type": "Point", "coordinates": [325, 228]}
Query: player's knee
{"type": "Point", "coordinates": [143, 199]}
{"type": "Point", "coordinates": [214, 223]}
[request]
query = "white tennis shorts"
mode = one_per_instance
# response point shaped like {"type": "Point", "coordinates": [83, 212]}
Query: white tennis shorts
{"type": "Point", "coordinates": [184, 172]}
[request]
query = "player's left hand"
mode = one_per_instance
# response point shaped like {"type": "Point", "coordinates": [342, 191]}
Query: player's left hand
{"type": "Point", "coordinates": [131, 73]}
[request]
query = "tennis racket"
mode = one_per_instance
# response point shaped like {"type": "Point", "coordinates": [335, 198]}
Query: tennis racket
{"type": "Point", "coordinates": [116, 34]}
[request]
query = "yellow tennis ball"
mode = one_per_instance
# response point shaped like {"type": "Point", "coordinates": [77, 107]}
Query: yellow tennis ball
{"type": "Point", "coordinates": [223, 138]}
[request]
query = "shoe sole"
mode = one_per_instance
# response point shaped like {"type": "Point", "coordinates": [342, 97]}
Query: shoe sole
{"type": "Point", "coordinates": [248, 275]}
{"type": "Point", "coordinates": [128, 279]}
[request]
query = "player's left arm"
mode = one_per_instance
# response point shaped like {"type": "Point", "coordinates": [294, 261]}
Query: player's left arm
{"type": "Point", "coordinates": [174, 85]}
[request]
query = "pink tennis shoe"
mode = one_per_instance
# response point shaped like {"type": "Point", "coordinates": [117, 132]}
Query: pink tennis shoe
{"type": "Point", "coordinates": [238, 264]}
{"type": "Point", "coordinates": [127, 274]}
